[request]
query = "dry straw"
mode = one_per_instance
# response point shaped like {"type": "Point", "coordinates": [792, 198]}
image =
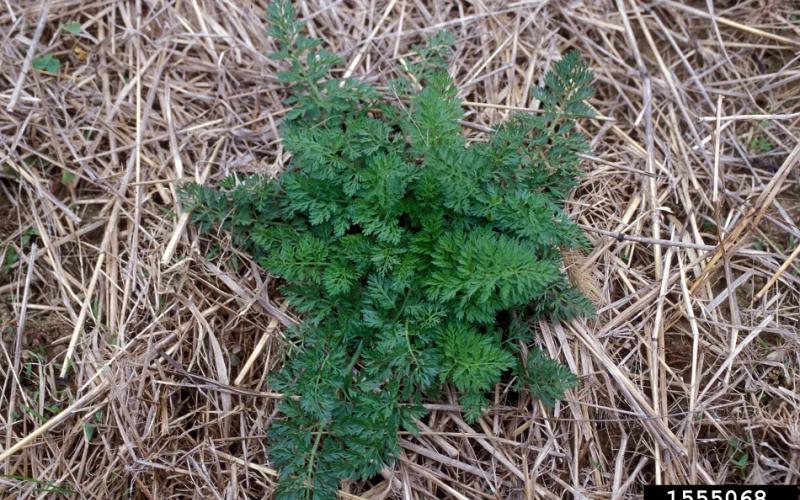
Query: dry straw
{"type": "Point", "coordinates": [689, 372]}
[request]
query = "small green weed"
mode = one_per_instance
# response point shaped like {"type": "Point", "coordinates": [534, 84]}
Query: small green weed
{"type": "Point", "coordinates": [41, 486]}
{"type": "Point", "coordinates": [46, 63]}
{"type": "Point", "coordinates": [760, 142]}
{"type": "Point", "coordinates": [73, 28]}
{"type": "Point", "coordinates": [68, 178]}
{"type": "Point", "coordinates": [738, 457]}
{"type": "Point", "coordinates": [12, 257]}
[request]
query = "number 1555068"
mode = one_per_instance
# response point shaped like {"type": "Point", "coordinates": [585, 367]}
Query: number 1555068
{"type": "Point", "coordinates": [722, 492]}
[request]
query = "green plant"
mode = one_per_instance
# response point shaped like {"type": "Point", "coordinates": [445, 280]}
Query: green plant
{"type": "Point", "coordinates": [68, 178]}
{"type": "Point", "coordinates": [40, 486]}
{"type": "Point", "coordinates": [72, 28]}
{"type": "Point", "coordinates": [90, 427]}
{"type": "Point", "coordinates": [11, 255]}
{"type": "Point", "coordinates": [738, 457]}
{"type": "Point", "coordinates": [47, 63]}
{"type": "Point", "coordinates": [11, 258]}
{"type": "Point", "coordinates": [415, 258]}
{"type": "Point", "coordinates": [760, 142]}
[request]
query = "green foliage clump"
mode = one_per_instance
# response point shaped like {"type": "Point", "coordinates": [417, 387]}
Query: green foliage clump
{"type": "Point", "coordinates": [414, 256]}
{"type": "Point", "coordinates": [48, 63]}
